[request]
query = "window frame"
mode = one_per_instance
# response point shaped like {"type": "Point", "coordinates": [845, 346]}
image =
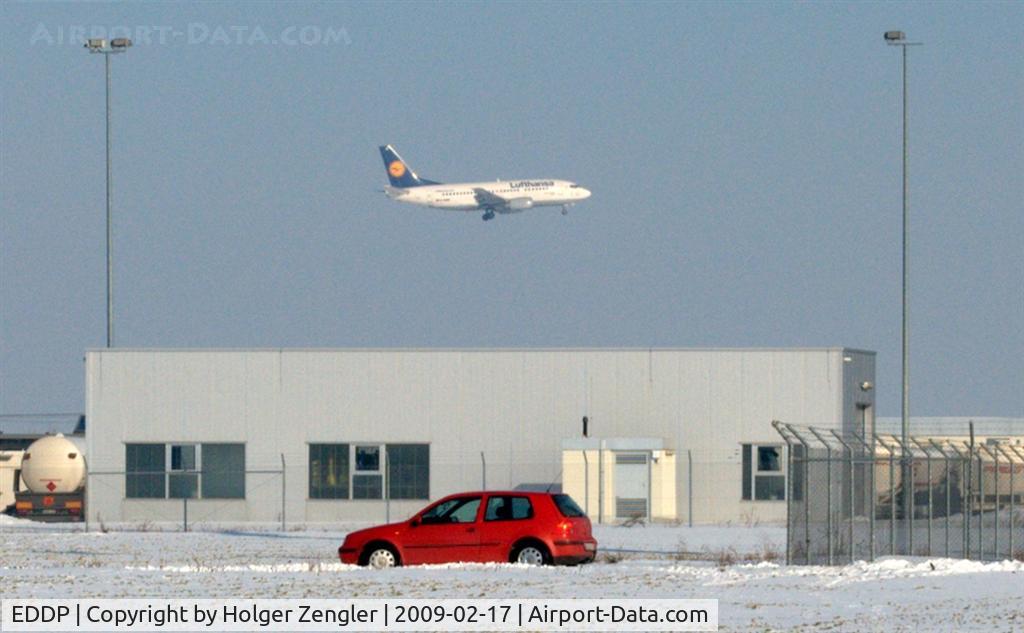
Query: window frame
{"type": "Point", "coordinates": [169, 473]}
{"type": "Point", "coordinates": [369, 475]}
{"type": "Point", "coordinates": [346, 474]}
{"type": "Point", "coordinates": [510, 498]}
{"type": "Point", "coordinates": [751, 470]}
{"type": "Point", "coordinates": [182, 474]}
{"type": "Point", "coordinates": [382, 474]}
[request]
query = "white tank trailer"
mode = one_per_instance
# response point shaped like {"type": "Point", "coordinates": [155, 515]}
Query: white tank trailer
{"type": "Point", "coordinates": [10, 478]}
{"type": "Point", "coordinates": [53, 477]}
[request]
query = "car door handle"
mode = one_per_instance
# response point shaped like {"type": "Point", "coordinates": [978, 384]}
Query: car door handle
{"type": "Point", "coordinates": [471, 529]}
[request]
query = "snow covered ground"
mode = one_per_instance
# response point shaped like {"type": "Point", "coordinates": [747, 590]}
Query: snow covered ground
{"type": "Point", "coordinates": [893, 594]}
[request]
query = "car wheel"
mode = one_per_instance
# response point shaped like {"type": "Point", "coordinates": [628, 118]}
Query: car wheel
{"type": "Point", "coordinates": [381, 558]}
{"type": "Point", "coordinates": [531, 554]}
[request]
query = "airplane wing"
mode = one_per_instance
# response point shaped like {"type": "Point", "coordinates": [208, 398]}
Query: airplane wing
{"type": "Point", "coordinates": [496, 203]}
{"type": "Point", "coordinates": [487, 199]}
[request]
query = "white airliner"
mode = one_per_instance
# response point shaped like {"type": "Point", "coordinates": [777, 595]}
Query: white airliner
{"type": "Point", "coordinates": [500, 196]}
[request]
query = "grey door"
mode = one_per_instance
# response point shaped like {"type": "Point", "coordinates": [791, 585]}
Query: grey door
{"type": "Point", "coordinates": [632, 485]}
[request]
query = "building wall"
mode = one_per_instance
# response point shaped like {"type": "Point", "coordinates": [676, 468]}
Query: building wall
{"type": "Point", "coordinates": [515, 406]}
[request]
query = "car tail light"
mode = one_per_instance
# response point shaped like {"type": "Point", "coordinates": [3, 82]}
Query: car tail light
{"type": "Point", "coordinates": [23, 507]}
{"type": "Point", "coordinates": [566, 528]}
{"type": "Point", "coordinates": [74, 506]}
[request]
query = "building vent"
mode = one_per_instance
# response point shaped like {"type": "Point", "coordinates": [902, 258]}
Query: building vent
{"type": "Point", "coordinates": [630, 508]}
{"type": "Point", "coordinates": [631, 458]}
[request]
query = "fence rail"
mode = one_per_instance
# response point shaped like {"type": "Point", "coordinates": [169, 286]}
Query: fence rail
{"type": "Point", "coordinates": [845, 497]}
{"type": "Point", "coordinates": [269, 483]}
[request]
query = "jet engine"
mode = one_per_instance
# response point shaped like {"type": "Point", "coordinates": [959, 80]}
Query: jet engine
{"type": "Point", "coordinates": [520, 204]}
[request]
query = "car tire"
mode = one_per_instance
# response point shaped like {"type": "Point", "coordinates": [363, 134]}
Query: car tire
{"type": "Point", "coordinates": [531, 553]}
{"type": "Point", "coordinates": [381, 557]}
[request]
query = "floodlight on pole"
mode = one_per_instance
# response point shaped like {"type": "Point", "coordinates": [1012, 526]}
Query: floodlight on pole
{"type": "Point", "coordinates": [102, 47]}
{"type": "Point", "coordinates": [899, 38]}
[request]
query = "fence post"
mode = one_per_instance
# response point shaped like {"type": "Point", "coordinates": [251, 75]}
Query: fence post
{"type": "Point", "coordinates": [981, 507]}
{"type": "Point", "coordinates": [892, 503]}
{"type": "Point", "coordinates": [586, 483]}
{"type": "Point", "coordinates": [931, 509]}
{"type": "Point", "coordinates": [386, 491]}
{"type": "Point", "coordinates": [85, 497]}
{"type": "Point", "coordinates": [689, 486]}
{"type": "Point", "coordinates": [971, 485]}
{"type": "Point", "coordinates": [600, 482]}
{"type": "Point", "coordinates": [965, 476]}
{"type": "Point", "coordinates": [283, 495]}
{"type": "Point", "coordinates": [995, 535]}
{"type": "Point", "coordinates": [790, 466]}
{"type": "Point", "coordinates": [828, 499]}
{"type": "Point", "coordinates": [852, 500]}
{"type": "Point", "coordinates": [1013, 468]}
{"type": "Point", "coordinates": [872, 498]}
{"type": "Point", "coordinates": [949, 493]}
{"type": "Point", "coordinates": [184, 513]}
{"type": "Point", "coordinates": [807, 504]}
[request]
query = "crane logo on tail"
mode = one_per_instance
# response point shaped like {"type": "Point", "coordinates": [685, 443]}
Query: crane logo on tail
{"type": "Point", "coordinates": [396, 169]}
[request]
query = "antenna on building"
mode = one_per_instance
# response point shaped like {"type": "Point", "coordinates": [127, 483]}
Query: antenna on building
{"type": "Point", "coordinates": [586, 421]}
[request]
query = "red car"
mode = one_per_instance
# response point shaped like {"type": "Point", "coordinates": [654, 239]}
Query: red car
{"type": "Point", "coordinates": [535, 528]}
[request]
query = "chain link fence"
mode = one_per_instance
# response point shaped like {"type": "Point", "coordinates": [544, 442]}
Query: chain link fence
{"type": "Point", "coordinates": [185, 499]}
{"type": "Point", "coordinates": [845, 497]}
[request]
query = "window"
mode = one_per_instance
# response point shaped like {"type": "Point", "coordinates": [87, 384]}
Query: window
{"type": "Point", "coordinates": [762, 473]}
{"type": "Point", "coordinates": [366, 487]}
{"type": "Point", "coordinates": [508, 509]}
{"type": "Point", "coordinates": [367, 481]}
{"type": "Point", "coordinates": [144, 464]}
{"type": "Point", "coordinates": [328, 471]}
{"type": "Point", "coordinates": [223, 473]}
{"type": "Point", "coordinates": [458, 510]}
{"type": "Point", "coordinates": [183, 461]}
{"type": "Point", "coordinates": [176, 471]}
{"type": "Point", "coordinates": [368, 458]}
{"type": "Point", "coordinates": [408, 471]}
{"type": "Point", "coordinates": [356, 471]}
{"type": "Point", "coordinates": [567, 506]}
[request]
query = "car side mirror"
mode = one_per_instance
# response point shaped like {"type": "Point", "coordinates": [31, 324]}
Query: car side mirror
{"type": "Point", "coordinates": [414, 523]}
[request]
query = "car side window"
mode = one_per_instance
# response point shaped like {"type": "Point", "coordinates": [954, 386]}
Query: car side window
{"type": "Point", "coordinates": [459, 510]}
{"type": "Point", "coordinates": [466, 512]}
{"type": "Point", "coordinates": [508, 509]}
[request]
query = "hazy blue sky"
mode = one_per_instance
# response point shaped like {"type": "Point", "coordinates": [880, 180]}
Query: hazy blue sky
{"type": "Point", "coordinates": [744, 159]}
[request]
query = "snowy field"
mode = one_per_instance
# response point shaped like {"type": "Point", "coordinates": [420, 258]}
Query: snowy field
{"type": "Point", "coordinates": [893, 594]}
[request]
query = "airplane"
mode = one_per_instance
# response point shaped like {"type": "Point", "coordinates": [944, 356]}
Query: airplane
{"type": "Point", "coordinates": [512, 196]}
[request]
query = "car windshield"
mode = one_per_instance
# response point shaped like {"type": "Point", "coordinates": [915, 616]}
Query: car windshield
{"type": "Point", "coordinates": [459, 510]}
{"type": "Point", "coordinates": [567, 506]}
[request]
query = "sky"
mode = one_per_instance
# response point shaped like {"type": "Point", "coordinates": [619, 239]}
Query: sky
{"type": "Point", "coordinates": [744, 158]}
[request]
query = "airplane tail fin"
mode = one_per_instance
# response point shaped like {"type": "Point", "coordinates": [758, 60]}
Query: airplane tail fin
{"type": "Point", "coordinates": [399, 172]}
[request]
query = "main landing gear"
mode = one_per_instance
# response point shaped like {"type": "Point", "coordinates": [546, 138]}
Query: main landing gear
{"type": "Point", "coordinates": [565, 209]}
{"type": "Point", "coordinates": [489, 215]}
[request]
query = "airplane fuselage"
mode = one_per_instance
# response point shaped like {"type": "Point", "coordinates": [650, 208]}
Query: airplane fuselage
{"type": "Point", "coordinates": [500, 196]}
{"type": "Point", "coordinates": [523, 194]}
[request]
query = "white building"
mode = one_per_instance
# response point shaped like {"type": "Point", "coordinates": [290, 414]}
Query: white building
{"type": "Point", "coordinates": [674, 428]}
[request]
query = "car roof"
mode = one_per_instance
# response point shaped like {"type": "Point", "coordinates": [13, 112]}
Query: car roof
{"type": "Point", "coordinates": [495, 493]}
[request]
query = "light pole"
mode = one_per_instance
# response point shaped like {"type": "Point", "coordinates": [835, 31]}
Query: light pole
{"type": "Point", "coordinates": [898, 38]}
{"type": "Point", "coordinates": [100, 46]}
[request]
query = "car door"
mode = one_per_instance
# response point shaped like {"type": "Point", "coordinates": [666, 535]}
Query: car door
{"type": "Point", "coordinates": [444, 533]}
{"type": "Point", "coordinates": [506, 519]}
